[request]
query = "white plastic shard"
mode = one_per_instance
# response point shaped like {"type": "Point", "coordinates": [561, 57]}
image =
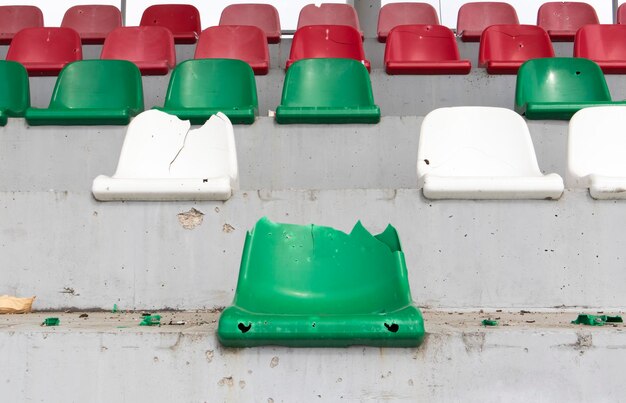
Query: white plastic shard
{"type": "Point", "coordinates": [162, 159]}
{"type": "Point", "coordinates": [596, 151]}
{"type": "Point", "coordinates": [480, 153]}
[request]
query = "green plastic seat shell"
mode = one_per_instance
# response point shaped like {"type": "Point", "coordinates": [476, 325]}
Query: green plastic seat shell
{"type": "Point", "coordinates": [15, 94]}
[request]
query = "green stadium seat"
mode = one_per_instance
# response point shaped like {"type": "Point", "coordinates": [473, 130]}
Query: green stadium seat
{"type": "Point", "coordinates": [15, 96]}
{"type": "Point", "coordinates": [314, 286]}
{"type": "Point", "coordinates": [327, 91]}
{"type": "Point", "coordinates": [93, 92]}
{"type": "Point", "coordinates": [558, 87]}
{"type": "Point", "coordinates": [202, 87]}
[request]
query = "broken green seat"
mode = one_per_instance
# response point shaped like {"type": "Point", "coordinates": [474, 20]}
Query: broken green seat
{"type": "Point", "coordinates": [327, 91]}
{"type": "Point", "coordinates": [92, 92]}
{"type": "Point", "coordinates": [202, 87]}
{"type": "Point", "coordinates": [15, 94]}
{"type": "Point", "coordinates": [558, 87]}
{"type": "Point", "coordinates": [314, 286]}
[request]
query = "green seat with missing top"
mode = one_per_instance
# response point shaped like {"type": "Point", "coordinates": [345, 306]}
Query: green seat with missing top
{"type": "Point", "coordinates": [93, 92]}
{"type": "Point", "coordinates": [15, 94]}
{"type": "Point", "coordinates": [202, 87]}
{"type": "Point", "coordinates": [558, 87]}
{"type": "Point", "coordinates": [327, 91]}
{"type": "Point", "coordinates": [314, 286]}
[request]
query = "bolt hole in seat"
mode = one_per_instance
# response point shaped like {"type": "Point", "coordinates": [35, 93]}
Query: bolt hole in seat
{"type": "Point", "coordinates": [314, 286]}
{"type": "Point", "coordinates": [473, 152]}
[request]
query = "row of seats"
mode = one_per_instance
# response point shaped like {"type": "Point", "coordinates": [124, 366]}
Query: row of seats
{"type": "Point", "coordinates": [101, 92]}
{"type": "Point", "coordinates": [464, 153]}
{"type": "Point", "coordinates": [94, 22]}
{"type": "Point", "coordinates": [314, 91]}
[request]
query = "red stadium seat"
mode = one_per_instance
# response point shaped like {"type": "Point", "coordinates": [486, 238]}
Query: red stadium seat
{"type": "Point", "coordinates": [621, 14]}
{"type": "Point", "coordinates": [182, 19]}
{"type": "Point", "coordinates": [329, 14]}
{"type": "Point", "coordinates": [15, 18]}
{"type": "Point", "coordinates": [394, 14]}
{"type": "Point", "coordinates": [264, 16]}
{"type": "Point", "coordinates": [242, 42]}
{"type": "Point", "coordinates": [150, 48]}
{"type": "Point", "coordinates": [92, 22]}
{"type": "Point", "coordinates": [423, 49]}
{"type": "Point", "coordinates": [45, 51]}
{"type": "Point", "coordinates": [610, 54]}
{"type": "Point", "coordinates": [324, 41]}
{"type": "Point", "coordinates": [563, 19]}
{"type": "Point", "coordinates": [504, 48]}
{"type": "Point", "coordinates": [473, 18]}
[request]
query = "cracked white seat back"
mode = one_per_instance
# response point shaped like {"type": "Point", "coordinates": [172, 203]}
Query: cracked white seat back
{"type": "Point", "coordinates": [163, 159]}
{"type": "Point", "coordinates": [480, 153]}
{"type": "Point", "coordinates": [596, 151]}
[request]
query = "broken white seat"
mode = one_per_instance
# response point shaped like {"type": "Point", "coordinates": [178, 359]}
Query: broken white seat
{"type": "Point", "coordinates": [596, 151]}
{"type": "Point", "coordinates": [162, 159]}
{"type": "Point", "coordinates": [480, 153]}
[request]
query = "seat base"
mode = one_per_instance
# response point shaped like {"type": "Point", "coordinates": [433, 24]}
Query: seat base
{"type": "Point", "coordinates": [558, 110]}
{"type": "Point", "coordinates": [197, 116]}
{"type": "Point", "coordinates": [362, 114]}
{"type": "Point", "coordinates": [495, 187]}
{"type": "Point", "coordinates": [365, 63]}
{"type": "Point", "coordinates": [241, 328]}
{"type": "Point", "coordinates": [470, 36]}
{"type": "Point", "coordinates": [607, 188]}
{"type": "Point", "coordinates": [612, 67]}
{"type": "Point", "coordinates": [44, 68]}
{"type": "Point", "coordinates": [3, 118]}
{"type": "Point", "coordinates": [501, 67]}
{"type": "Point", "coordinates": [439, 67]}
{"type": "Point", "coordinates": [185, 38]}
{"type": "Point", "coordinates": [562, 35]}
{"type": "Point", "coordinates": [107, 188]}
{"type": "Point", "coordinates": [74, 117]}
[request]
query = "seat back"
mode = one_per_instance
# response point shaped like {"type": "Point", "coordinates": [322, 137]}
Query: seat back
{"type": "Point", "coordinates": [329, 14]}
{"type": "Point", "coordinates": [183, 20]}
{"type": "Point", "coordinates": [211, 83]}
{"type": "Point", "coordinates": [475, 141]}
{"type": "Point", "coordinates": [478, 16]}
{"type": "Point", "coordinates": [158, 146]}
{"type": "Point", "coordinates": [45, 45]}
{"type": "Point", "coordinates": [316, 270]}
{"type": "Point", "coordinates": [98, 84]}
{"type": "Point", "coordinates": [140, 44]}
{"type": "Point", "coordinates": [92, 22]}
{"type": "Point", "coordinates": [263, 16]}
{"type": "Point", "coordinates": [565, 16]}
{"type": "Point", "coordinates": [15, 94]}
{"type": "Point", "coordinates": [245, 42]}
{"type": "Point", "coordinates": [514, 43]}
{"type": "Point", "coordinates": [560, 79]}
{"type": "Point", "coordinates": [601, 42]}
{"type": "Point", "coordinates": [15, 18]}
{"type": "Point", "coordinates": [596, 144]}
{"type": "Point", "coordinates": [394, 14]}
{"type": "Point", "coordinates": [327, 83]}
{"type": "Point", "coordinates": [421, 43]}
{"type": "Point", "coordinates": [316, 41]}
{"type": "Point", "coordinates": [621, 14]}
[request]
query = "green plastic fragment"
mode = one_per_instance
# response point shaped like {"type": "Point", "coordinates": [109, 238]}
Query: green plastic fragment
{"type": "Point", "coordinates": [596, 320]}
{"type": "Point", "coordinates": [314, 286]}
{"type": "Point", "coordinates": [489, 322]}
{"type": "Point", "coordinates": [327, 91]}
{"type": "Point", "coordinates": [114, 308]}
{"type": "Point", "coordinates": [51, 322]}
{"type": "Point", "coordinates": [558, 87]}
{"type": "Point", "coordinates": [151, 320]}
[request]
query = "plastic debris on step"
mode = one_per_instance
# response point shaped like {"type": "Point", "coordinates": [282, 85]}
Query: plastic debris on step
{"type": "Point", "coordinates": [596, 320]}
{"type": "Point", "coordinates": [489, 322]}
{"type": "Point", "coordinates": [10, 304]}
{"type": "Point", "coordinates": [151, 320]}
{"type": "Point", "coordinates": [51, 322]}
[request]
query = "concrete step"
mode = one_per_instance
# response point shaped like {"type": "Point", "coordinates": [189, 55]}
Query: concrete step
{"type": "Point", "coordinates": [106, 357]}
